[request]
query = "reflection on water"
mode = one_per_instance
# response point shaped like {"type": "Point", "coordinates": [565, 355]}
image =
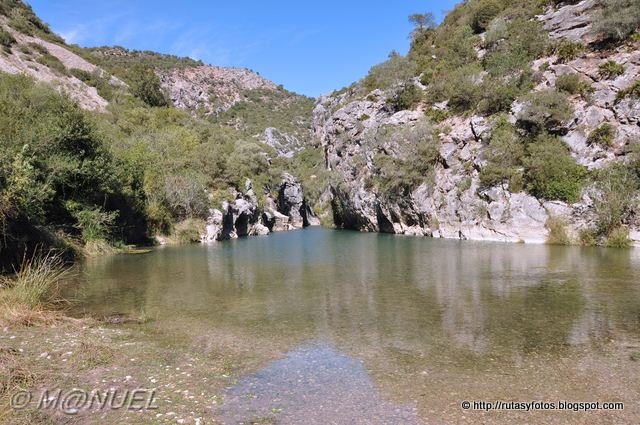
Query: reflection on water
{"type": "Point", "coordinates": [403, 305]}
{"type": "Point", "coordinates": [314, 384]}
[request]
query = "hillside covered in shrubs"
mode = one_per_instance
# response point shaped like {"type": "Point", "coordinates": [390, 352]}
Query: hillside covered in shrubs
{"type": "Point", "coordinates": [510, 120]}
{"type": "Point", "coordinates": [96, 155]}
{"type": "Point", "coordinates": [534, 117]}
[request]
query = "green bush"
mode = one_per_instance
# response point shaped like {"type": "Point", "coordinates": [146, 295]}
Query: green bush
{"type": "Point", "coordinates": [504, 155]}
{"type": "Point", "coordinates": [407, 96]}
{"type": "Point", "coordinates": [55, 158]}
{"type": "Point", "coordinates": [187, 232]}
{"type": "Point", "coordinates": [39, 48]}
{"type": "Point", "coordinates": [81, 74]}
{"type": "Point", "coordinates": [588, 237]}
{"type": "Point", "coordinates": [22, 18]}
{"type": "Point", "coordinates": [618, 19]}
{"type": "Point", "coordinates": [603, 135]}
{"type": "Point", "coordinates": [6, 40]}
{"type": "Point", "coordinates": [398, 173]}
{"type": "Point", "coordinates": [389, 73]}
{"type": "Point", "coordinates": [446, 52]}
{"type": "Point", "coordinates": [616, 200]}
{"type": "Point", "coordinates": [514, 46]}
{"type": "Point", "coordinates": [94, 223]}
{"type": "Point", "coordinates": [545, 111]}
{"type": "Point", "coordinates": [53, 63]}
{"type": "Point", "coordinates": [437, 115]}
{"type": "Point", "coordinates": [462, 88]}
{"type": "Point", "coordinates": [97, 80]}
{"type": "Point", "coordinates": [27, 191]}
{"type": "Point", "coordinates": [464, 184]}
{"type": "Point", "coordinates": [568, 50]}
{"type": "Point", "coordinates": [550, 172]}
{"type": "Point", "coordinates": [557, 232]}
{"type": "Point", "coordinates": [145, 85]}
{"type": "Point", "coordinates": [484, 11]}
{"type": "Point", "coordinates": [610, 69]}
{"type": "Point", "coordinates": [618, 238]}
{"type": "Point", "coordinates": [573, 84]}
{"type": "Point", "coordinates": [118, 60]}
{"type": "Point", "coordinates": [632, 92]}
{"type": "Point", "coordinates": [247, 160]}
{"type": "Point", "coordinates": [263, 108]}
{"type": "Point", "coordinates": [498, 94]}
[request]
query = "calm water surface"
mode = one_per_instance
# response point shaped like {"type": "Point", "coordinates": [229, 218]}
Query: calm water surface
{"type": "Point", "coordinates": [368, 328]}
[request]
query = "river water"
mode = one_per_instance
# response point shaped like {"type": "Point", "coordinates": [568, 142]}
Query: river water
{"type": "Point", "coordinates": [371, 328]}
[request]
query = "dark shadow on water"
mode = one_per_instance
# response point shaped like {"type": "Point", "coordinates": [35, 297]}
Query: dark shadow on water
{"type": "Point", "coordinates": [314, 384]}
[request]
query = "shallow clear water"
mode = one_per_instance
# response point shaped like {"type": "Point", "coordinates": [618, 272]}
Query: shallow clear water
{"type": "Point", "coordinates": [417, 324]}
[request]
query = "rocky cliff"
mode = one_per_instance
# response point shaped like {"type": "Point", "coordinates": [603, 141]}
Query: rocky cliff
{"type": "Point", "coordinates": [51, 62]}
{"type": "Point", "coordinates": [210, 89]}
{"type": "Point", "coordinates": [451, 202]}
{"type": "Point", "coordinates": [246, 217]}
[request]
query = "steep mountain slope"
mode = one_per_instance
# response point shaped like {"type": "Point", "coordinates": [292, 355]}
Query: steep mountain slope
{"type": "Point", "coordinates": [105, 146]}
{"type": "Point", "coordinates": [210, 89]}
{"type": "Point", "coordinates": [492, 130]}
{"type": "Point", "coordinates": [239, 98]}
{"type": "Point", "coordinates": [89, 76]}
{"type": "Point", "coordinates": [50, 62]}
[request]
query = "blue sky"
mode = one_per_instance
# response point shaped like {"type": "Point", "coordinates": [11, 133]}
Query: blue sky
{"type": "Point", "coordinates": [309, 47]}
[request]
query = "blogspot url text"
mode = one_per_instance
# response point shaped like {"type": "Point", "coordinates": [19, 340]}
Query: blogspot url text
{"type": "Point", "coordinates": [528, 406]}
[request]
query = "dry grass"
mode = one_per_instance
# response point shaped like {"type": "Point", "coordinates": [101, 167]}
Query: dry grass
{"type": "Point", "coordinates": [27, 296]}
{"type": "Point", "coordinates": [557, 232]}
{"type": "Point", "coordinates": [97, 248]}
{"type": "Point", "coordinates": [23, 316]}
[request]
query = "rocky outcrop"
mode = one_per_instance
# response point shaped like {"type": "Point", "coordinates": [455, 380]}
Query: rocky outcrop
{"type": "Point", "coordinates": [23, 59]}
{"type": "Point", "coordinates": [210, 89]}
{"type": "Point", "coordinates": [245, 217]}
{"type": "Point", "coordinates": [285, 145]}
{"type": "Point", "coordinates": [451, 203]}
{"type": "Point", "coordinates": [239, 218]}
{"type": "Point", "coordinates": [291, 201]}
{"type": "Point", "coordinates": [572, 22]}
{"type": "Point", "coordinates": [602, 106]}
{"type": "Point", "coordinates": [451, 206]}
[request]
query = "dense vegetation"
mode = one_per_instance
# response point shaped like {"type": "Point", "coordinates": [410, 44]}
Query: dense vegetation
{"type": "Point", "coordinates": [55, 169]}
{"type": "Point", "coordinates": [119, 176]}
{"type": "Point", "coordinates": [480, 61]}
{"type": "Point", "coordinates": [118, 59]}
{"type": "Point", "coordinates": [90, 180]}
{"type": "Point", "coordinates": [262, 108]}
{"type": "Point", "coordinates": [413, 163]}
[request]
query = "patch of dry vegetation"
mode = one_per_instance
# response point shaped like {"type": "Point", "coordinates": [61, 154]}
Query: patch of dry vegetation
{"type": "Point", "coordinates": [31, 296]}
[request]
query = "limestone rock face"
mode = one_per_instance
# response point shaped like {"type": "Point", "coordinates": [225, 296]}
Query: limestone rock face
{"type": "Point", "coordinates": [284, 144]}
{"type": "Point", "coordinates": [245, 217]}
{"type": "Point", "coordinates": [213, 231]}
{"type": "Point", "coordinates": [451, 202]}
{"type": "Point", "coordinates": [291, 201]}
{"type": "Point", "coordinates": [14, 62]}
{"type": "Point", "coordinates": [212, 89]}
{"type": "Point", "coordinates": [571, 22]}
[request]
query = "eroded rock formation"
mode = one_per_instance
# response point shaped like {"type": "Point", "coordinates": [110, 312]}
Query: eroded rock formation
{"type": "Point", "coordinates": [246, 217]}
{"type": "Point", "coordinates": [453, 204]}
